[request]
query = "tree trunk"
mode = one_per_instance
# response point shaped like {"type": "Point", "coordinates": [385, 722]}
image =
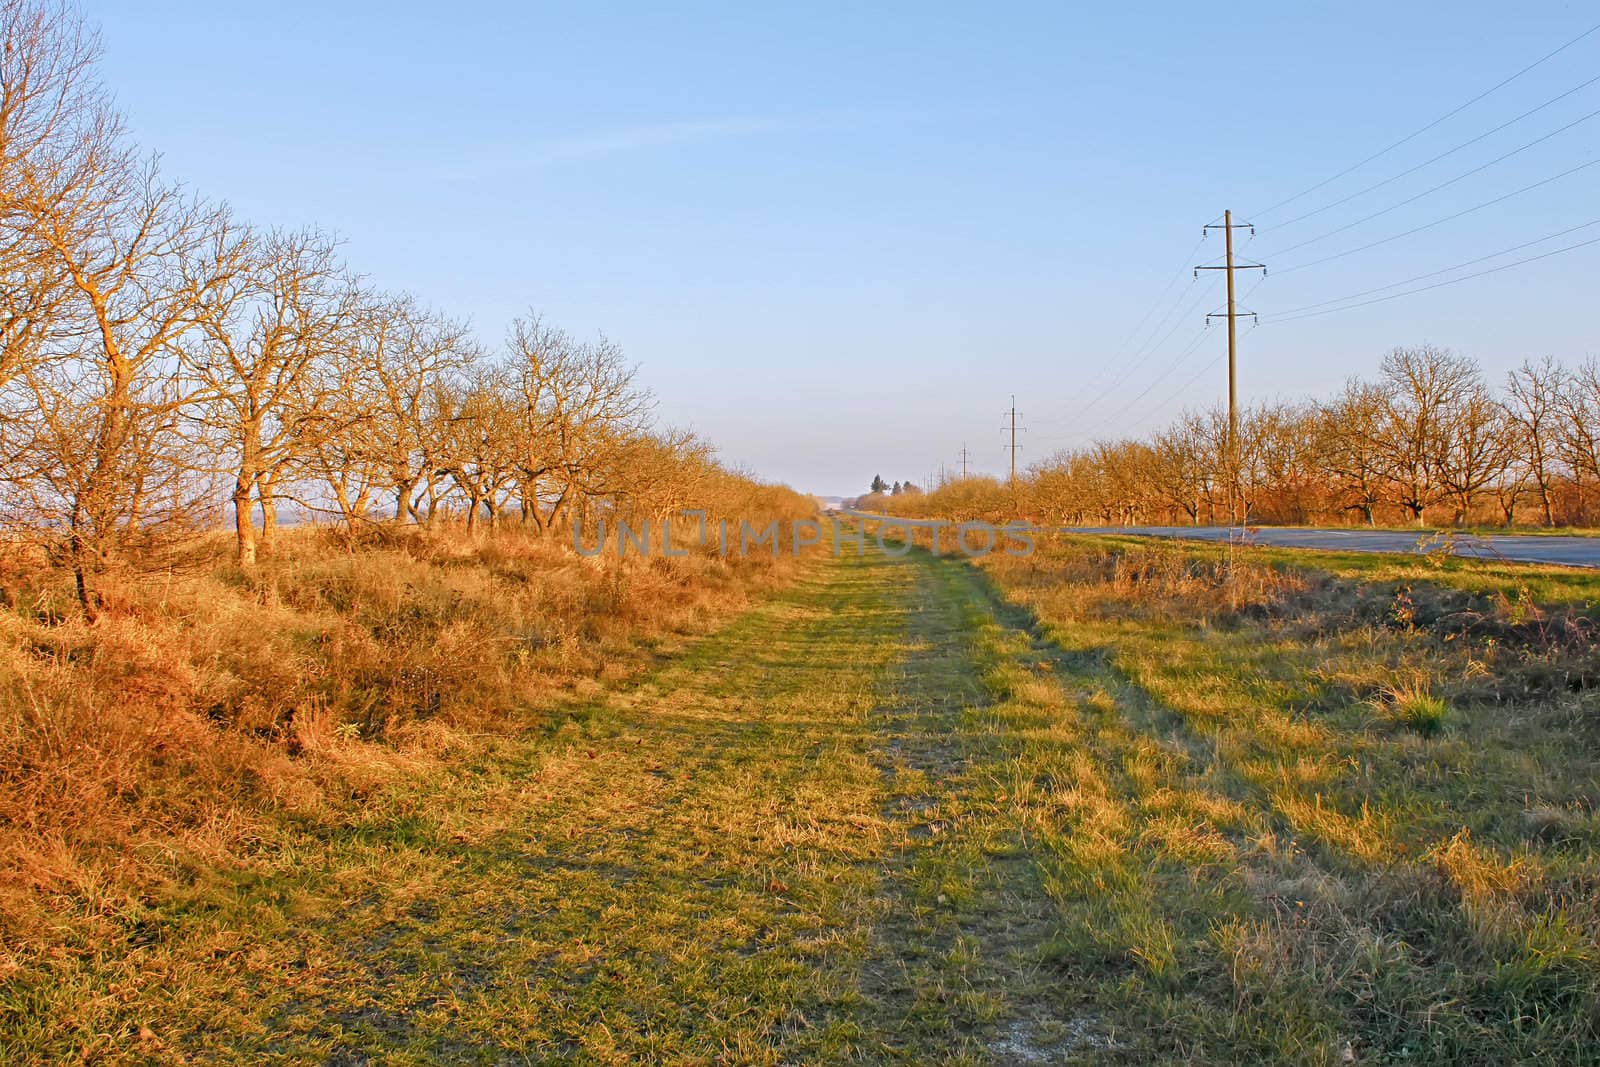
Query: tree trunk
{"type": "Point", "coordinates": [269, 511]}
{"type": "Point", "coordinates": [78, 550]}
{"type": "Point", "coordinates": [244, 529]}
{"type": "Point", "coordinates": [403, 507]}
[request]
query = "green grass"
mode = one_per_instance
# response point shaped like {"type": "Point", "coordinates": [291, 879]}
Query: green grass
{"type": "Point", "coordinates": [1292, 840]}
{"type": "Point", "coordinates": [777, 848]}
{"type": "Point", "coordinates": [913, 811]}
{"type": "Point", "coordinates": [1476, 530]}
{"type": "Point", "coordinates": [1417, 709]}
{"type": "Point", "coordinates": [1544, 584]}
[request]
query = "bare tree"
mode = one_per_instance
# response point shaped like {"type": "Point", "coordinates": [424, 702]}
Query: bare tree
{"type": "Point", "coordinates": [260, 342]}
{"type": "Point", "coordinates": [1579, 439]}
{"type": "Point", "coordinates": [140, 260]}
{"type": "Point", "coordinates": [337, 454]}
{"type": "Point", "coordinates": [1182, 467]}
{"type": "Point", "coordinates": [660, 472]}
{"type": "Point", "coordinates": [1533, 406]}
{"type": "Point", "coordinates": [57, 132]}
{"type": "Point", "coordinates": [410, 349]}
{"type": "Point", "coordinates": [1283, 443]}
{"type": "Point", "coordinates": [1348, 449]}
{"type": "Point", "coordinates": [482, 452]}
{"type": "Point", "coordinates": [1423, 386]}
{"type": "Point", "coordinates": [1474, 448]}
{"type": "Point", "coordinates": [575, 404]}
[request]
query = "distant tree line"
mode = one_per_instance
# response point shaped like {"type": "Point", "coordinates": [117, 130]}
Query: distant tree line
{"type": "Point", "coordinates": [1429, 440]}
{"type": "Point", "coordinates": [161, 360]}
{"type": "Point", "coordinates": [880, 487]}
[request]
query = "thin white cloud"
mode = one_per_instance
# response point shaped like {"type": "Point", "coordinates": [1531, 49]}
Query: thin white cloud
{"type": "Point", "coordinates": [668, 134]}
{"type": "Point", "coordinates": [655, 135]}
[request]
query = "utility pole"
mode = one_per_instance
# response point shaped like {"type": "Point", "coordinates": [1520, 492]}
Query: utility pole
{"type": "Point", "coordinates": [1013, 442]}
{"type": "Point", "coordinates": [963, 461]}
{"type": "Point", "coordinates": [1014, 446]}
{"type": "Point", "coordinates": [1227, 226]}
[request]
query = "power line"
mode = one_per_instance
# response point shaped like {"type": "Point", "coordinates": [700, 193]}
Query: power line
{"type": "Point", "coordinates": [1110, 365]}
{"type": "Point", "coordinates": [1146, 350]}
{"type": "Point", "coordinates": [1445, 270]}
{"type": "Point", "coordinates": [1440, 285]}
{"type": "Point", "coordinates": [1177, 362]}
{"type": "Point", "coordinates": [1133, 366]}
{"type": "Point", "coordinates": [1419, 132]}
{"type": "Point", "coordinates": [1139, 355]}
{"type": "Point", "coordinates": [1440, 221]}
{"type": "Point", "coordinates": [1441, 185]}
{"type": "Point", "coordinates": [1289, 316]}
{"type": "Point", "coordinates": [1176, 277]}
{"type": "Point", "coordinates": [1429, 162]}
{"type": "Point", "coordinates": [1190, 384]}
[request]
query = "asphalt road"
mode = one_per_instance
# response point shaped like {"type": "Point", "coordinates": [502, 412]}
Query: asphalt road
{"type": "Point", "coordinates": [1563, 551]}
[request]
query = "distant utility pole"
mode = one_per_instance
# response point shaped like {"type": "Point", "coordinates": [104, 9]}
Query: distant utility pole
{"type": "Point", "coordinates": [1227, 226]}
{"type": "Point", "coordinates": [1014, 446]}
{"type": "Point", "coordinates": [963, 461]}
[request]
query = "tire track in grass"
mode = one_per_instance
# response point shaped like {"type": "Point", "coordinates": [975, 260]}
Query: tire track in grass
{"type": "Point", "coordinates": [1178, 888]}
{"type": "Point", "coordinates": [961, 960]}
{"type": "Point", "coordinates": [679, 888]}
{"type": "Point", "coordinates": [815, 871]}
{"type": "Point", "coordinates": [790, 844]}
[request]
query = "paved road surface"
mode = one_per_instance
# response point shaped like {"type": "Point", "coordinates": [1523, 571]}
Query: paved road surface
{"type": "Point", "coordinates": [1566, 551]}
{"type": "Point", "coordinates": [1554, 549]}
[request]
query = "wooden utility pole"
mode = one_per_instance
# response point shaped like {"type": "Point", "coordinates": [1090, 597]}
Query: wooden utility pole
{"type": "Point", "coordinates": [1227, 226]}
{"type": "Point", "coordinates": [1233, 341]}
{"type": "Point", "coordinates": [1013, 443]}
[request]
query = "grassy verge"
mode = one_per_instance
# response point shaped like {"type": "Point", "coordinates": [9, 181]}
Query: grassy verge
{"type": "Point", "coordinates": [171, 739]}
{"type": "Point", "coordinates": [1109, 803]}
{"type": "Point", "coordinates": [1475, 530]}
{"type": "Point", "coordinates": [779, 845]}
{"type": "Point", "coordinates": [1282, 828]}
{"type": "Point", "coordinates": [1539, 584]}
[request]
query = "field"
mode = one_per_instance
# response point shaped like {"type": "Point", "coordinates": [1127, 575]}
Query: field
{"type": "Point", "coordinates": [1112, 803]}
{"type": "Point", "coordinates": [421, 639]}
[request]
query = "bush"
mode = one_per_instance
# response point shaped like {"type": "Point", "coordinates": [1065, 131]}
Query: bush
{"type": "Point", "coordinates": [208, 695]}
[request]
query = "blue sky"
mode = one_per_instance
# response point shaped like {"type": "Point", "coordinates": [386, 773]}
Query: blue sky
{"type": "Point", "coordinates": [837, 238]}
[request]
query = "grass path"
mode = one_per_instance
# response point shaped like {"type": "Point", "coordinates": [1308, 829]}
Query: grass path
{"type": "Point", "coordinates": [791, 844]}
{"type": "Point", "coordinates": [892, 816]}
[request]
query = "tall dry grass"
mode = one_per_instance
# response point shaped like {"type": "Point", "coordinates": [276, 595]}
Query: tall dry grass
{"type": "Point", "coordinates": [148, 744]}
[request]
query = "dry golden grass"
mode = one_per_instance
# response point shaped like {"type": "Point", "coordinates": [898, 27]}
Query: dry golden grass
{"type": "Point", "coordinates": [141, 747]}
{"type": "Point", "coordinates": [1323, 819]}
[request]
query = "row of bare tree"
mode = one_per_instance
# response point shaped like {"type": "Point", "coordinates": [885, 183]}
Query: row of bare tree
{"type": "Point", "coordinates": [158, 357]}
{"type": "Point", "coordinates": [1429, 436]}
